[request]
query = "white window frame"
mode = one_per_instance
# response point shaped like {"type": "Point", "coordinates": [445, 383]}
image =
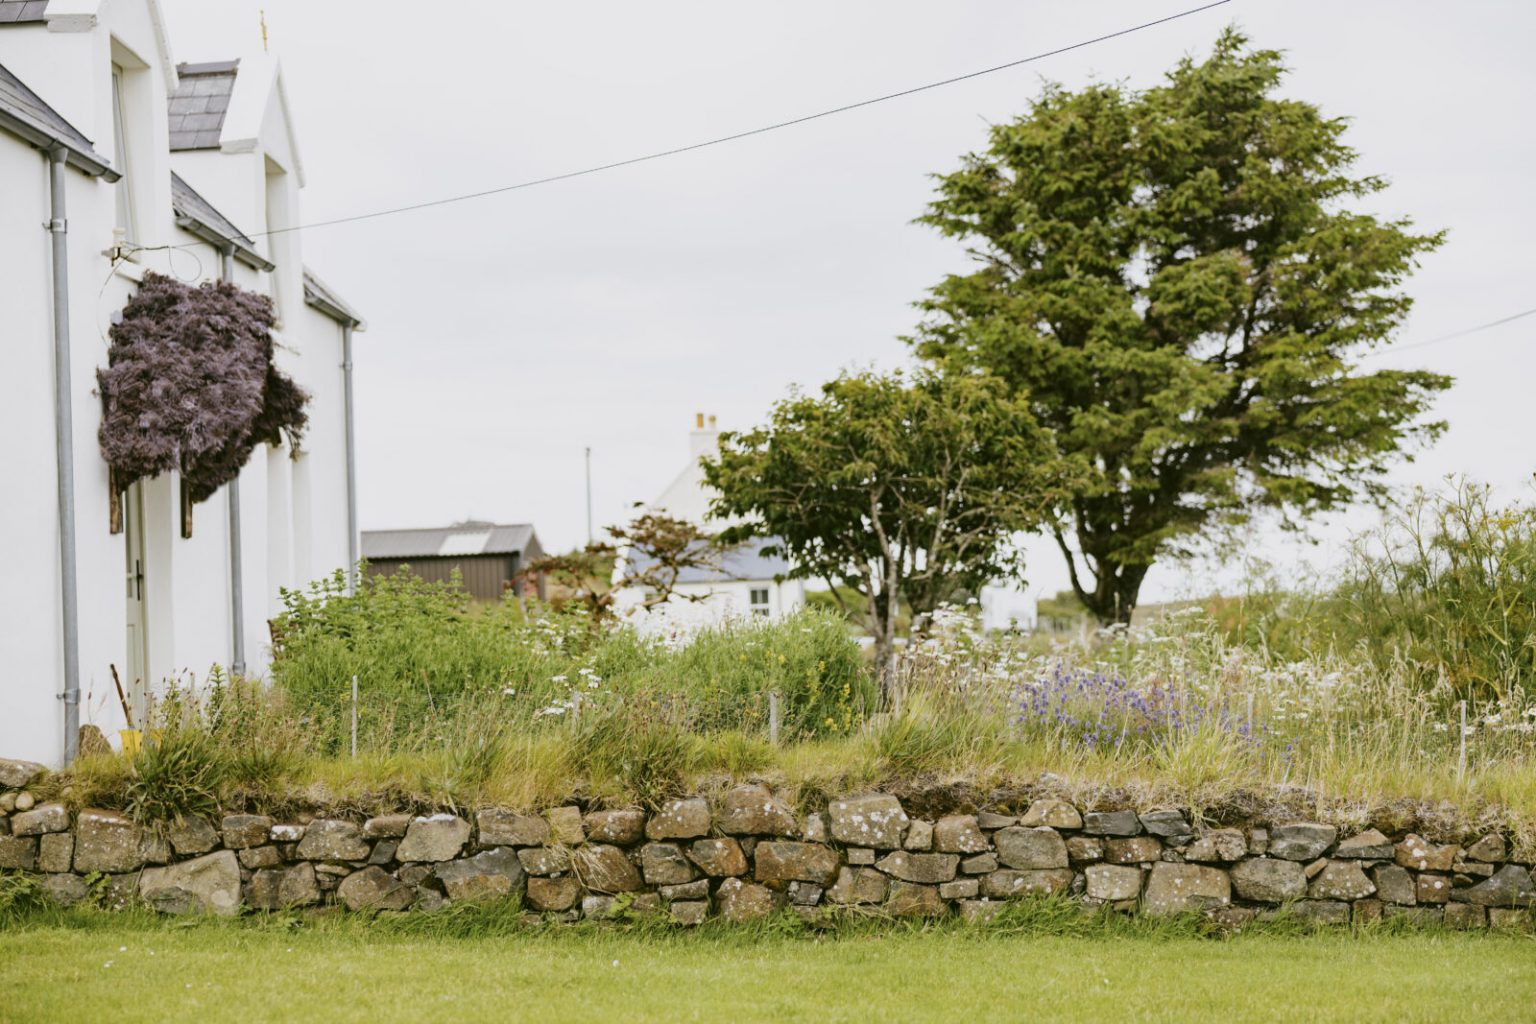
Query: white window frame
{"type": "Point", "coordinates": [124, 211]}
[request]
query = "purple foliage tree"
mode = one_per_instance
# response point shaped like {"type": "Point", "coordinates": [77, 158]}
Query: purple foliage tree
{"type": "Point", "coordinates": [190, 385]}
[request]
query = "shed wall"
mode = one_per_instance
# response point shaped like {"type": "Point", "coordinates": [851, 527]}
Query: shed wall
{"type": "Point", "coordinates": [483, 575]}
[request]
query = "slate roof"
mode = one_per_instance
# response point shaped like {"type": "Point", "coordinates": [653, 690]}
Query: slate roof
{"type": "Point", "coordinates": [199, 216]}
{"type": "Point", "coordinates": [200, 102]}
{"type": "Point", "coordinates": [24, 113]}
{"type": "Point", "coordinates": [320, 295]}
{"type": "Point", "coordinates": [465, 540]}
{"type": "Point", "coordinates": [744, 562]}
{"type": "Point", "coordinates": [16, 12]}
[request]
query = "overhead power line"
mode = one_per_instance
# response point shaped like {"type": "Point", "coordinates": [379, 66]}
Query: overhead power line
{"type": "Point", "coordinates": [660, 154]}
{"type": "Point", "coordinates": [1454, 334]}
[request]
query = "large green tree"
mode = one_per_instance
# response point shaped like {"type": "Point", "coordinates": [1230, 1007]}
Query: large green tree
{"type": "Point", "coordinates": [906, 490]}
{"type": "Point", "coordinates": [1180, 281]}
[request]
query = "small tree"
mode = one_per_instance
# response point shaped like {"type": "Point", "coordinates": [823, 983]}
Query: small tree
{"type": "Point", "coordinates": [1175, 281]}
{"type": "Point", "coordinates": [902, 490]}
{"type": "Point", "coordinates": [652, 551]}
{"type": "Point", "coordinates": [190, 385]}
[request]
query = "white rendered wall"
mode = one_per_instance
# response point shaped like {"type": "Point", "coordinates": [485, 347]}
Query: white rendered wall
{"type": "Point", "coordinates": [187, 580]}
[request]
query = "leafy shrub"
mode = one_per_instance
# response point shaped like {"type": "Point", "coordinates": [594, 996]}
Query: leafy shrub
{"type": "Point", "coordinates": [424, 657]}
{"type": "Point", "coordinates": [176, 775]}
{"type": "Point", "coordinates": [1449, 589]}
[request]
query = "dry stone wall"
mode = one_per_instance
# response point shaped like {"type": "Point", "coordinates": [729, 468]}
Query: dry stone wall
{"type": "Point", "coordinates": [750, 855]}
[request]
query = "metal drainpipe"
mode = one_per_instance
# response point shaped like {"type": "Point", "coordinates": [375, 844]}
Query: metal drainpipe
{"type": "Point", "coordinates": [346, 377]}
{"type": "Point", "coordinates": [63, 430]}
{"type": "Point", "coordinates": [236, 551]}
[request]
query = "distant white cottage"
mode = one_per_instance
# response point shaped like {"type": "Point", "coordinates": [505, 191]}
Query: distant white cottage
{"type": "Point", "coordinates": [111, 154]}
{"type": "Point", "coordinates": [747, 582]}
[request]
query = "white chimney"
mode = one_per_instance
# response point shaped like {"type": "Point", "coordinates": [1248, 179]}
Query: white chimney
{"type": "Point", "coordinates": [704, 440]}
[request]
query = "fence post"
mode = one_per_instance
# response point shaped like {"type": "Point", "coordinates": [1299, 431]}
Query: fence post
{"type": "Point", "coordinates": [1461, 742]}
{"type": "Point", "coordinates": [773, 717]}
{"type": "Point", "coordinates": [354, 716]}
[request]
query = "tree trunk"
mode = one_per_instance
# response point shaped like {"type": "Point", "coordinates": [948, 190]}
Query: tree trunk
{"type": "Point", "coordinates": [882, 622]}
{"type": "Point", "coordinates": [1115, 593]}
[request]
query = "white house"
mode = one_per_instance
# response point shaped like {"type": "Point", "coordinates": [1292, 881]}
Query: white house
{"type": "Point", "coordinates": [746, 582]}
{"type": "Point", "coordinates": [111, 154]}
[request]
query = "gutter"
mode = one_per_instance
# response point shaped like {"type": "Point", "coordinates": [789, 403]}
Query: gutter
{"type": "Point", "coordinates": [82, 160]}
{"type": "Point", "coordinates": [351, 446]}
{"type": "Point", "coordinates": [64, 450]}
{"type": "Point", "coordinates": [254, 260]}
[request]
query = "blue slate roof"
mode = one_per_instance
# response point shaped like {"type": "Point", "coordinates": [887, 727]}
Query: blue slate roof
{"type": "Point", "coordinates": [23, 113]}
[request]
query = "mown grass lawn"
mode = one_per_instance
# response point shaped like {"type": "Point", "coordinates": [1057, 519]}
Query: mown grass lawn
{"type": "Point", "coordinates": [210, 973]}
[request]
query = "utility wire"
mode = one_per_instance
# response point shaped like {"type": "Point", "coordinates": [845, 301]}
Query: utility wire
{"type": "Point", "coordinates": [751, 131]}
{"type": "Point", "coordinates": [1452, 336]}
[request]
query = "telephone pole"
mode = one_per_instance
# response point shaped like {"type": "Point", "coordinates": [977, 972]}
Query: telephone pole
{"type": "Point", "coordinates": [589, 494]}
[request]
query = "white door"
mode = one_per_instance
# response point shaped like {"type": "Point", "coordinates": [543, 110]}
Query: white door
{"type": "Point", "coordinates": [136, 672]}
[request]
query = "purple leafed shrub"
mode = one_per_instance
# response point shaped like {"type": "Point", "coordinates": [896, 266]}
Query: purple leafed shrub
{"type": "Point", "coordinates": [190, 385]}
{"type": "Point", "coordinates": [1102, 711]}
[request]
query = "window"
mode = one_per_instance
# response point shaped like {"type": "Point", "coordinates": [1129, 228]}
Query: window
{"type": "Point", "coordinates": [123, 194]}
{"type": "Point", "coordinates": [759, 600]}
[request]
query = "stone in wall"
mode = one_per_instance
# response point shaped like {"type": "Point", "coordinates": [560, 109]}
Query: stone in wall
{"type": "Point", "coordinates": [754, 811]}
{"type": "Point", "coordinates": [501, 827]}
{"type": "Point", "coordinates": [1030, 848]}
{"type": "Point", "coordinates": [959, 833]}
{"type": "Point", "coordinates": [1052, 813]}
{"type": "Point", "coordinates": [20, 774]}
{"type": "Point", "coordinates": [107, 842]}
{"type": "Point", "coordinates": [243, 830]}
{"type": "Point", "coordinates": [1302, 841]}
{"type": "Point", "coordinates": [493, 873]}
{"type": "Point", "coordinates": [605, 869]}
{"type": "Point", "coordinates": [679, 819]}
{"type": "Point", "coordinates": [431, 838]}
{"type": "Point", "coordinates": [45, 818]}
{"type": "Point", "coordinates": [877, 821]}
{"type": "Point", "coordinates": [1180, 888]}
{"type": "Point", "coordinates": [620, 827]}
{"type": "Point", "coordinates": [718, 858]}
{"type": "Point", "coordinates": [210, 883]}
{"type": "Point", "coordinates": [329, 839]}
{"type": "Point", "coordinates": [374, 889]}
{"type": "Point", "coordinates": [620, 862]}
{"type": "Point", "coordinates": [927, 868]}
{"type": "Point", "coordinates": [744, 901]}
{"type": "Point", "coordinates": [796, 862]}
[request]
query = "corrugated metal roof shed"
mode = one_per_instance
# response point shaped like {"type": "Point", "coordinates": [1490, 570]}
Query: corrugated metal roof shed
{"type": "Point", "coordinates": [201, 100]}
{"type": "Point", "coordinates": [466, 539]}
{"type": "Point", "coordinates": [24, 113]}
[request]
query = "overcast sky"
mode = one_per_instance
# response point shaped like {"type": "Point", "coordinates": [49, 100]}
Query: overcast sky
{"type": "Point", "coordinates": [506, 334]}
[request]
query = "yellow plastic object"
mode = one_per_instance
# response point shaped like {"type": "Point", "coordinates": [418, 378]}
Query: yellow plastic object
{"type": "Point", "coordinates": [132, 739]}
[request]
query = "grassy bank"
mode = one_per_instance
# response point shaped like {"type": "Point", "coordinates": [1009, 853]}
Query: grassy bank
{"type": "Point", "coordinates": [1403, 696]}
{"type": "Point", "coordinates": [214, 972]}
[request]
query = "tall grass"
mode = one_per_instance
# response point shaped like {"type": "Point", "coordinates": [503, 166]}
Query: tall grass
{"type": "Point", "coordinates": [422, 656]}
{"type": "Point", "coordinates": [1357, 702]}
